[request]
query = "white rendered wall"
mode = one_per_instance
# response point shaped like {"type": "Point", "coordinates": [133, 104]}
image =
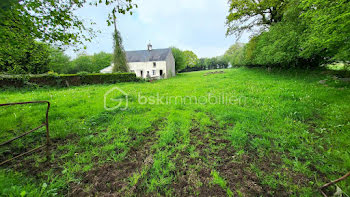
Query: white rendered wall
{"type": "Point", "coordinates": [170, 65]}
{"type": "Point", "coordinates": [136, 67]}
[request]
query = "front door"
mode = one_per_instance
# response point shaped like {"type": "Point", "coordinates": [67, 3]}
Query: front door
{"type": "Point", "coordinates": [161, 73]}
{"type": "Point", "coordinates": [141, 73]}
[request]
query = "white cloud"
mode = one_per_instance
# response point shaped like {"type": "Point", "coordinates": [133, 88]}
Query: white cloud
{"type": "Point", "coordinates": [197, 25]}
{"type": "Point", "coordinates": [152, 10]}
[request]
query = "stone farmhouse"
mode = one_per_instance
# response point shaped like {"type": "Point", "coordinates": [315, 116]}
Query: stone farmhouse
{"type": "Point", "coordinates": [150, 63]}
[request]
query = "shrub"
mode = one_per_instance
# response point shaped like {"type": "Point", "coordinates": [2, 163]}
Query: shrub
{"type": "Point", "coordinates": [66, 79]}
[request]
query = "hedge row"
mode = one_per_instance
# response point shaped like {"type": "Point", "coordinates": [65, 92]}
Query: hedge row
{"type": "Point", "coordinates": [66, 80]}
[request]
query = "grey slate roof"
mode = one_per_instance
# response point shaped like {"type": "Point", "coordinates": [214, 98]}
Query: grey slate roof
{"type": "Point", "coordinates": [147, 56]}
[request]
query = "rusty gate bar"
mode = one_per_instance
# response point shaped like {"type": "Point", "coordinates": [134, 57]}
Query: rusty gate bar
{"type": "Point", "coordinates": [24, 134]}
{"type": "Point", "coordinates": [46, 124]}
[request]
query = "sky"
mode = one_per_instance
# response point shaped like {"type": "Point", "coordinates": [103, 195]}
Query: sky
{"type": "Point", "coordinates": [196, 25]}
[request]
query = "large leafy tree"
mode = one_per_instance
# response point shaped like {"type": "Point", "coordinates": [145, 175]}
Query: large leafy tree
{"type": "Point", "coordinates": [201, 64]}
{"type": "Point", "coordinates": [190, 58]}
{"type": "Point", "coordinates": [328, 31]}
{"type": "Point", "coordinates": [102, 60]}
{"type": "Point", "coordinates": [83, 63]}
{"type": "Point", "coordinates": [54, 21]}
{"type": "Point", "coordinates": [30, 58]}
{"type": "Point", "coordinates": [59, 62]}
{"type": "Point", "coordinates": [25, 21]}
{"type": "Point", "coordinates": [245, 15]}
{"type": "Point", "coordinates": [296, 33]}
{"type": "Point", "coordinates": [90, 63]}
{"type": "Point", "coordinates": [180, 61]}
{"type": "Point", "coordinates": [235, 54]}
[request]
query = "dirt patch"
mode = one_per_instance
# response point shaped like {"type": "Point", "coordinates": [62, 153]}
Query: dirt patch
{"type": "Point", "coordinates": [29, 166]}
{"type": "Point", "coordinates": [233, 168]}
{"type": "Point", "coordinates": [218, 154]}
{"type": "Point", "coordinates": [239, 177]}
{"type": "Point", "coordinates": [111, 179]}
{"type": "Point", "coordinates": [106, 180]}
{"type": "Point", "coordinates": [193, 175]}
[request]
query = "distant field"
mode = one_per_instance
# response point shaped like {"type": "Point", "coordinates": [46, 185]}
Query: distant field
{"type": "Point", "coordinates": [249, 133]}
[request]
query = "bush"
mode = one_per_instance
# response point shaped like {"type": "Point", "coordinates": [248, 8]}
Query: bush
{"type": "Point", "coordinates": [66, 79]}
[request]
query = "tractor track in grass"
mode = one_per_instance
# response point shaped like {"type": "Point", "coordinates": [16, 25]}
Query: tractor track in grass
{"type": "Point", "coordinates": [194, 174]}
{"type": "Point", "coordinates": [111, 179]}
{"type": "Point", "coordinates": [236, 169]}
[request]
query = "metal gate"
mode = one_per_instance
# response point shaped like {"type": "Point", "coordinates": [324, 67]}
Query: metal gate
{"type": "Point", "coordinates": [44, 124]}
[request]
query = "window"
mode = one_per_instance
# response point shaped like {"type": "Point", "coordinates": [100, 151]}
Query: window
{"type": "Point", "coordinates": [132, 71]}
{"type": "Point", "coordinates": [154, 64]}
{"type": "Point", "coordinates": [153, 72]}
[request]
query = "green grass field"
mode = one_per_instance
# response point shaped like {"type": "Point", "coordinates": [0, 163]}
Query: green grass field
{"type": "Point", "coordinates": [281, 134]}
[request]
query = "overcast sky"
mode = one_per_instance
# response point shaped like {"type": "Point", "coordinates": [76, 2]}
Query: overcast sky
{"type": "Point", "coordinates": [197, 25]}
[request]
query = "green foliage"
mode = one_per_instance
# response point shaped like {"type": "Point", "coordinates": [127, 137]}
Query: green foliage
{"type": "Point", "coordinates": [180, 59]}
{"type": "Point", "coordinates": [23, 23]}
{"type": "Point", "coordinates": [235, 54]}
{"type": "Point", "coordinates": [66, 79]}
{"type": "Point", "coordinates": [186, 61]}
{"type": "Point", "coordinates": [313, 32]}
{"type": "Point", "coordinates": [83, 63]}
{"type": "Point", "coordinates": [328, 29]}
{"type": "Point", "coordinates": [31, 57]}
{"type": "Point", "coordinates": [101, 60]}
{"type": "Point", "coordinates": [191, 58]}
{"type": "Point", "coordinates": [52, 21]}
{"type": "Point", "coordinates": [213, 63]}
{"type": "Point", "coordinates": [87, 63]}
{"type": "Point", "coordinates": [59, 62]}
{"type": "Point", "coordinates": [246, 15]}
{"type": "Point", "coordinates": [119, 58]}
{"type": "Point", "coordinates": [208, 63]}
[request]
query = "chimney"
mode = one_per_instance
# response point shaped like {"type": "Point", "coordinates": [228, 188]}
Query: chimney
{"type": "Point", "coordinates": [149, 47]}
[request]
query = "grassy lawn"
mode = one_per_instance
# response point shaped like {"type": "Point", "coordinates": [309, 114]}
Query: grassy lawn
{"type": "Point", "coordinates": [280, 134]}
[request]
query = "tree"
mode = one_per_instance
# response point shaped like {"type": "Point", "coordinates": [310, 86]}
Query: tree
{"type": "Point", "coordinates": [32, 58]}
{"type": "Point", "coordinates": [245, 15]}
{"type": "Point", "coordinates": [210, 63]}
{"type": "Point", "coordinates": [101, 60]}
{"type": "Point", "coordinates": [201, 64]}
{"type": "Point", "coordinates": [119, 57]}
{"type": "Point", "coordinates": [190, 58]}
{"type": "Point", "coordinates": [235, 55]}
{"type": "Point", "coordinates": [54, 21]}
{"type": "Point", "coordinates": [296, 33]}
{"type": "Point", "coordinates": [180, 61]}
{"type": "Point", "coordinates": [23, 22]}
{"type": "Point", "coordinates": [90, 63]}
{"type": "Point", "coordinates": [83, 63]}
{"type": "Point", "coordinates": [328, 29]}
{"type": "Point", "coordinates": [221, 62]}
{"type": "Point", "coordinates": [59, 62]}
